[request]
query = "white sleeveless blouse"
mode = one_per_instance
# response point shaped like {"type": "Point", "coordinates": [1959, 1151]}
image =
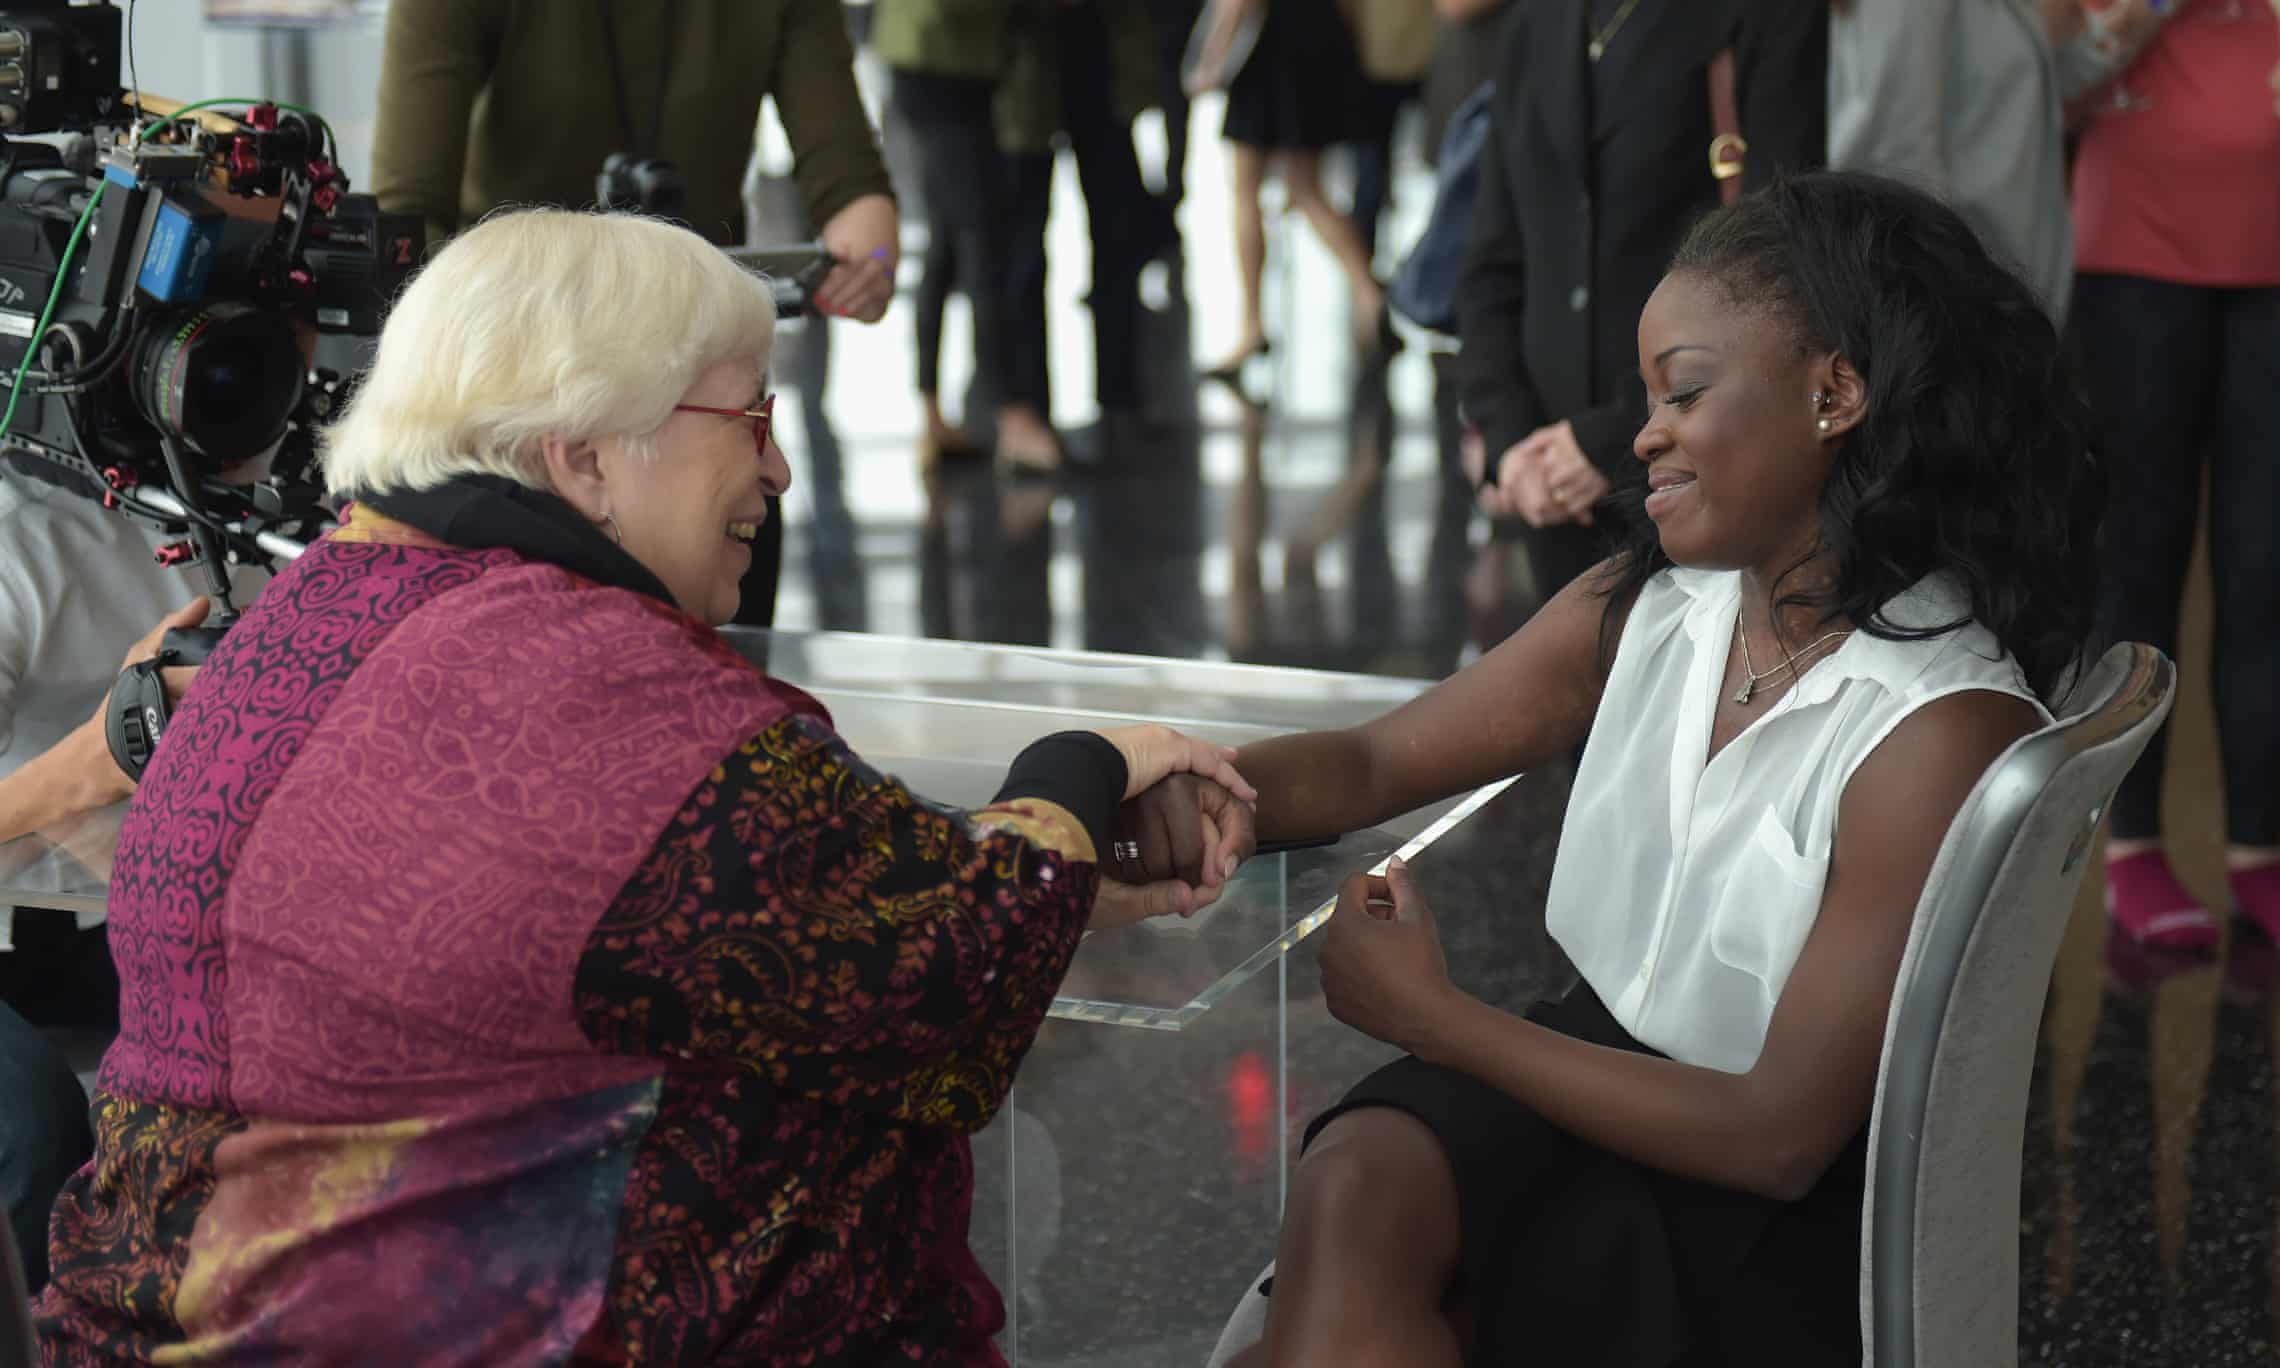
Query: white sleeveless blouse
{"type": "Point", "coordinates": [1684, 891]}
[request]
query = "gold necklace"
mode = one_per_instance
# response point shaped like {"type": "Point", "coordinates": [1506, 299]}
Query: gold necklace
{"type": "Point", "coordinates": [1601, 37]}
{"type": "Point", "coordinates": [1749, 687]}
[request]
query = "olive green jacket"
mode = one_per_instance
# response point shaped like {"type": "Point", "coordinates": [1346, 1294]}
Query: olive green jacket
{"type": "Point", "coordinates": [943, 37]}
{"type": "Point", "coordinates": [491, 102]}
{"type": "Point", "coordinates": [1029, 93]}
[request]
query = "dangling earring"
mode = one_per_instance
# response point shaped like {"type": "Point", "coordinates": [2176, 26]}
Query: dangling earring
{"type": "Point", "coordinates": [619, 537]}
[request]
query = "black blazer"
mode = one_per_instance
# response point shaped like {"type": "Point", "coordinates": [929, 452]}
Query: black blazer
{"type": "Point", "coordinates": [1581, 208]}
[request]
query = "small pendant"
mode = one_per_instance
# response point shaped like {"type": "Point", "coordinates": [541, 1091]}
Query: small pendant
{"type": "Point", "coordinates": [1743, 694]}
{"type": "Point", "coordinates": [1597, 49]}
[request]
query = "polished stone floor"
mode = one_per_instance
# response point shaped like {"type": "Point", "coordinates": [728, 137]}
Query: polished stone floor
{"type": "Point", "coordinates": [1320, 526]}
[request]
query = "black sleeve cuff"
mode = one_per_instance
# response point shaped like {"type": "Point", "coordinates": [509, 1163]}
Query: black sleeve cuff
{"type": "Point", "coordinates": [1080, 770]}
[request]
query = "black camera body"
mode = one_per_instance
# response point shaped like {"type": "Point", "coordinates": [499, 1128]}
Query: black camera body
{"type": "Point", "coordinates": [163, 316]}
{"type": "Point", "coordinates": [176, 301]}
{"type": "Point", "coordinates": [170, 320]}
{"type": "Point", "coordinates": [642, 185]}
{"type": "Point", "coordinates": [59, 66]}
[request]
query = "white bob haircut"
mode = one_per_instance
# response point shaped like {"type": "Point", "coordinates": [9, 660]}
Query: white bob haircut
{"type": "Point", "coordinates": [541, 322]}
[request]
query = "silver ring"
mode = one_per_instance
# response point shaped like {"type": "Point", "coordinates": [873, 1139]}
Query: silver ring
{"type": "Point", "coordinates": [1126, 852]}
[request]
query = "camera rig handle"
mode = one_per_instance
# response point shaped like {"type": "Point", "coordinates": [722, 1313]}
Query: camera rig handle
{"type": "Point", "coordinates": [211, 555]}
{"type": "Point", "coordinates": [794, 272]}
{"type": "Point", "coordinates": [136, 713]}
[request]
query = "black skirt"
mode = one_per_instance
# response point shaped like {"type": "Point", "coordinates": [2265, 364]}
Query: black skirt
{"type": "Point", "coordinates": [1576, 1256]}
{"type": "Point", "coordinates": [1302, 87]}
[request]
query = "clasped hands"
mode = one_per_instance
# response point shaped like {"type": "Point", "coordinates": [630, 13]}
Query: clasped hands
{"type": "Point", "coordinates": [1184, 827]}
{"type": "Point", "coordinates": [1544, 478]}
{"type": "Point", "coordinates": [1187, 823]}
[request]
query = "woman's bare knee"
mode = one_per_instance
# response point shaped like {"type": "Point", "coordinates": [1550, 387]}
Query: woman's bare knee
{"type": "Point", "coordinates": [1385, 1142]}
{"type": "Point", "coordinates": [1376, 1181]}
{"type": "Point", "coordinates": [1369, 1247]}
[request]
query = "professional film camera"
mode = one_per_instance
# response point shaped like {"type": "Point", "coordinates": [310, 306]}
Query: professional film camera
{"type": "Point", "coordinates": [185, 296]}
{"type": "Point", "coordinates": [188, 293]}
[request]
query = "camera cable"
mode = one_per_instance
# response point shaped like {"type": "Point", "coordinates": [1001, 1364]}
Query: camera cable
{"type": "Point", "coordinates": [47, 313]}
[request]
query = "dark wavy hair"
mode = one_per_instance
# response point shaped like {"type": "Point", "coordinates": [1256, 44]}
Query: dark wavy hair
{"type": "Point", "coordinates": [1975, 454]}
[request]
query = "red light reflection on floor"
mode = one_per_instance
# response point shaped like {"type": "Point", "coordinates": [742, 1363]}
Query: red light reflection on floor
{"type": "Point", "coordinates": [1251, 1105]}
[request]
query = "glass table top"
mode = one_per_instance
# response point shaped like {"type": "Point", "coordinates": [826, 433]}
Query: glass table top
{"type": "Point", "coordinates": [1153, 687]}
{"type": "Point", "coordinates": [946, 718]}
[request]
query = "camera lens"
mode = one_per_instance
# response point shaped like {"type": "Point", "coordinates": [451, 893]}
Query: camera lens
{"type": "Point", "coordinates": [223, 378]}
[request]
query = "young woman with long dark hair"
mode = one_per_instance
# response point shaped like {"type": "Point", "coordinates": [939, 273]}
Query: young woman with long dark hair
{"type": "Point", "coordinates": [1865, 568]}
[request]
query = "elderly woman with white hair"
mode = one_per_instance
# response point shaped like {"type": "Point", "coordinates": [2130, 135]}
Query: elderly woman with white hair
{"type": "Point", "coordinates": [515, 975]}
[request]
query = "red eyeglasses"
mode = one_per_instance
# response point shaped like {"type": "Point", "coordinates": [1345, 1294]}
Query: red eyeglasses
{"type": "Point", "coordinates": [762, 418]}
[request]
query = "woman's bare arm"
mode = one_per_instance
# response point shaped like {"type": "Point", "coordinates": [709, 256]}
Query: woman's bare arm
{"type": "Point", "coordinates": [1775, 1129]}
{"type": "Point", "coordinates": [76, 775]}
{"type": "Point", "coordinates": [1528, 701]}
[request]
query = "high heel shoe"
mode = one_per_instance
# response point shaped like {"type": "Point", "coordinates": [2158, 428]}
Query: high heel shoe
{"type": "Point", "coordinates": [1230, 371]}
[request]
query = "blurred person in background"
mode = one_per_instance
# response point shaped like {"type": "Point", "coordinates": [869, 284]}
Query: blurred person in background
{"type": "Point", "coordinates": [485, 103]}
{"type": "Point", "coordinates": [1464, 60]}
{"type": "Point", "coordinates": [773, 213]}
{"type": "Point", "coordinates": [1395, 41]}
{"type": "Point", "coordinates": [1172, 24]}
{"type": "Point", "coordinates": [1079, 72]}
{"type": "Point", "coordinates": [2177, 306]}
{"type": "Point", "coordinates": [1597, 163]}
{"type": "Point", "coordinates": [1300, 91]}
{"type": "Point", "coordinates": [1465, 53]}
{"type": "Point", "coordinates": [1962, 98]}
{"type": "Point", "coordinates": [947, 60]}
{"type": "Point", "coordinates": [938, 279]}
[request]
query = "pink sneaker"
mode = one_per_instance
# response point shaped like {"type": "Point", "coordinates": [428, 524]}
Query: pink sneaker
{"type": "Point", "coordinates": [2145, 900]}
